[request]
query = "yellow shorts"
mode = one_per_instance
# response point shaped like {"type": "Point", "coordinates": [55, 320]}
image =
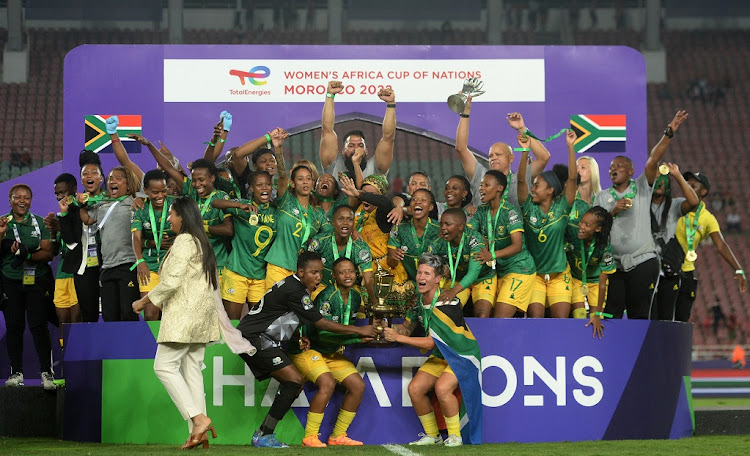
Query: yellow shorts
{"type": "Point", "coordinates": [436, 367]}
{"type": "Point", "coordinates": [593, 296]}
{"type": "Point", "coordinates": [239, 289]}
{"type": "Point", "coordinates": [556, 289]}
{"type": "Point", "coordinates": [312, 364]}
{"type": "Point", "coordinates": [275, 273]}
{"type": "Point", "coordinates": [65, 293]}
{"type": "Point", "coordinates": [153, 281]}
{"type": "Point", "coordinates": [515, 289]}
{"type": "Point", "coordinates": [484, 290]}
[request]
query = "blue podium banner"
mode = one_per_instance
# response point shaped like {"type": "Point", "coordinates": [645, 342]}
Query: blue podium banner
{"type": "Point", "coordinates": [543, 380]}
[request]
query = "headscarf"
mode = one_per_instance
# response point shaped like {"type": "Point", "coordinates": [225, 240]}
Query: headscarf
{"type": "Point", "coordinates": [378, 181]}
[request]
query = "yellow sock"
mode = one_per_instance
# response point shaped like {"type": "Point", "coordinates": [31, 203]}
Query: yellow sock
{"type": "Point", "coordinates": [453, 425]}
{"type": "Point", "coordinates": [429, 423]}
{"type": "Point", "coordinates": [579, 313]}
{"type": "Point", "coordinates": [342, 423]}
{"type": "Point", "coordinates": [313, 424]}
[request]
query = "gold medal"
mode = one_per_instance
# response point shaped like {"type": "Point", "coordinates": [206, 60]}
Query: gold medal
{"type": "Point", "coordinates": [491, 264]}
{"type": "Point", "coordinates": [253, 219]}
{"type": "Point", "coordinates": [664, 170]}
{"type": "Point", "coordinates": [628, 202]}
{"type": "Point", "coordinates": [70, 199]}
{"type": "Point", "coordinates": [9, 218]}
{"type": "Point", "coordinates": [85, 196]}
{"type": "Point", "coordinates": [691, 255]}
{"type": "Point", "coordinates": [585, 289]}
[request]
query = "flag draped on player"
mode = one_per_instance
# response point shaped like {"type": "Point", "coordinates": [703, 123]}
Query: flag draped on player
{"type": "Point", "coordinates": [460, 349]}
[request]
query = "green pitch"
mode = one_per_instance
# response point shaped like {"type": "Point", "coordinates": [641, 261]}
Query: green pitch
{"type": "Point", "coordinates": [724, 445]}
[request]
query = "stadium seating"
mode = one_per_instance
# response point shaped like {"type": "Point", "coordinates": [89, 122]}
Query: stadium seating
{"type": "Point", "coordinates": [715, 134]}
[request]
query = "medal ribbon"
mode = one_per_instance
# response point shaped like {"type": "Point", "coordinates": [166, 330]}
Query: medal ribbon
{"type": "Point", "coordinates": [504, 198]}
{"type": "Point", "coordinates": [555, 136]}
{"type": "Point", "coordinates": [630, 194]}
{"type": "Point", "coordinates": [427, 314]}
{"type": "Point", "coordinates": [157, 235]}
{"type": "Point", "coordinates": [692, 228]}
{"type": "Point", "coordinates": [453, 268]}
{"type": "Point", "coordinates": [585, 257]}
{"type": "Point", "coordinates": [205, 206]}
{"type": "Point", "coordinates": [335, 250]}
{"type": "Point", "coordinates": [492, 227]}
{"type": "Point", "coordinates": [303, 219]}
{"type": "Point", "coordinates": [419, 241]}
{"type": "Point", "coordinates": [348, 309]}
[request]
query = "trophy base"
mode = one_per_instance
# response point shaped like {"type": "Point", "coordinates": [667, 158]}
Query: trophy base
{"type": "Point", "coordinates": [378, 343]}
{"type": "Point", "coordinates": [457, 103]}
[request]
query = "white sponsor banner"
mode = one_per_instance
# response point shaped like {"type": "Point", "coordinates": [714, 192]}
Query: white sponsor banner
{"type": "Point", "coordinates": [221, 80]}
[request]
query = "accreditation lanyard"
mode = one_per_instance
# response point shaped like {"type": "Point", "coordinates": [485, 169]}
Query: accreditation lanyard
{"type": "Point", "coordinates": [630, 194]}
{"type": "Point", "coordinates": [492, 226]}
{"type": "Point", "coordinates": [690, 228]}
{"type": "Point", "coordinates": [335, 249]}
{"type": "Point", "coordinates": [303, 218]}
{"type": "Point", "coordinates": [36, 228]}
{"type": "Point", "coordinates": [207, 203]}
{"type": "Point", "coordinates": [585, 258]}
{"type": "Point", "coordinates": [454, 268]}
{"type": "Point", "coordinates": [157, 234]}
{"type": "Point", "coordinates": [348, 308]}
{"type": "Point", "coordinates": [427, 314]}
{"type": "Point", "coordinates": [109, 211]}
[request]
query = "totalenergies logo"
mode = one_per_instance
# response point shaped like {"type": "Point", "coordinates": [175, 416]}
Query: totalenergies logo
{"type": "Point", "coordinates": [255, 75]}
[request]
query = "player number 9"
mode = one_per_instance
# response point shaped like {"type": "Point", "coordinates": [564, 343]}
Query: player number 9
{"type": "Point", "coordinates": [262, 244]}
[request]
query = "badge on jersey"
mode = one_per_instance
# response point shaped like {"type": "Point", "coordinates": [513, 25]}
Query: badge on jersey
{"type": "Point", "coordinates": [307, 302]}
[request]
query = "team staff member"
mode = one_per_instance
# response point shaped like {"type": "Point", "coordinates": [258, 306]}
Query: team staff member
{"type": "Point", "coordinates": [691, 230]}
{"type": "Point", "coordinates": [416, 181]}
{"type": "Point", "coordinates": [591, 262]}
{"type": "Point", "coordinates": [111, 218]}
{"type": "Point", "coordinates": [665, 211]}
{"type": "Point", "coordinates": [65, 297]}
{"type": "Point", "coordinates": [411, 238]}
{"type": "Point", "coordinates": [273, 322]}
{"type": "Point", "coordinates": [632, 287]}
{"type": "Point", "coordinates": [298, 220]}
{"type": "Point", "coordinates": [340, 244]}
{"type": "Point", "coordinates": [244, 277]}
{"type": "Point", "coordinates": [506, 249]}
{"type": "Point", "coordinates": [500, 158]}
{"type": "Point", "coordinates": [27, 283]}
{"type": "Point", "coordinates": [545, 218]}
{"type": "Point", "coordinates": [83, 259]}
{"type": "Point", "coordinates": [322, 361]}
{"type": "Point", "coordinates": [152, 235]}
{"type": "Point", "coordinates": [457, 194]}
{"type": "Point", "coordinates": [334, 162]}
{"type": "Point", "coordinates": [453, 363]}
{"type": "Point", "coordinates": [458, 244]}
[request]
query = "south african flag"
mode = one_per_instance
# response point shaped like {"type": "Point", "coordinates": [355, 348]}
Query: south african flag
{"type": "Point", "coordinates": [98, 140]}
{"type": "Point", "coordinates": [599, 133]}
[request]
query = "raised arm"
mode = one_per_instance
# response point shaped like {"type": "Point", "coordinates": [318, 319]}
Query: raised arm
{"type": "Point", "coordinates": [523, 186]}
{"type": "Point", "coordinates": [468, 161]}
{"type": "Point", "coordinates": [164, 163]}
{"type": "Point", "coordinates": [120, 153]}
{"type": "Point", "coordinates": [329, 142]}
{"type": "Point", "coordinates": [652, 164]}
{"type": "Point", "coordinates": [726, 252]}
{"type": "Point", "coordinates": [277, 138]}
{"type": "Point", "coordinates": [691, 199]}
{"type": "Point", "coordinates": [216, 143]}
{"type": "Point", "coordinates": [541, 154]}
{"type": "Point", "coordinates": [384, 150]}
{"type": "Point", "coordinates": [570, 185]}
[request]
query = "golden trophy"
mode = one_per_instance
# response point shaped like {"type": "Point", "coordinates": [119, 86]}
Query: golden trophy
{"type": "Point", "coordinates": [390, 302]}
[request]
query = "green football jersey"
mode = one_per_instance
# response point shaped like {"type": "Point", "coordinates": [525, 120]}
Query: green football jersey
{"type": "Point", "coordinates": [331, 305]}
{"type": "Point", "coordinates": [290, 230]}
{"type": "Point", "coordinates": [31, 231]}
{"type": "Point", "coordinates": [325, 243]}
{"type": "Point", "coordinates": [508, 221]}
{"type": "Point", "coordinates": [253, 235]}
{"type": "Point", "coordinates": [211, 216]}
{"type": "Point", "coordinates": [141, 221]}
{"type": "Point", "coordinates": [601, 260]}
{"type": "Point", "coordinates": [576, 212]}
{"type": "Point", "coordinates": [404, 237]}
{"type": "Point", "coordinates": [63, 249]}
{"type": "Point", "coordinates": [545, 234]}
{"type": "Point", "coordinates": [327, 228]}
{"type": "Point", "coordinates": [468, 271]}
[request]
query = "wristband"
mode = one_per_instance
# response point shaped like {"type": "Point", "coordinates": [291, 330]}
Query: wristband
{"type": "Point", "coordinates": [210, 143]}
{"type": "Point", "coordinates": [268, 138]}
{"type": "Point", "coordinates": [135, 265]}
{"type": "Point", "coordinates": [668, 132]}
{"type": "Point", "coordinates": [222, 140]}
{"type": "Point", "coordinates": [603, 315]}
{"type": "Point", "coordinates": [740, 272]}
{"type": "Point", "coordinates": [62, 214]}
{"type": "Point", "coordinates": [28, 256]}
{"type": "Point", "coordinates": [521, 149]}
{"type": "Point", "coordinates": [116, 140]}
{"type": "Point", "coordinates": [390, 105]}
{"type": "Point", "coordinates": [330, 95]}
{"type": "Point", "coordinates": [465, 116]}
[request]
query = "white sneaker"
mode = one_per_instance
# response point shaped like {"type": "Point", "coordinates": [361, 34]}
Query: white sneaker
{"type": "Point", "coordinates": [427, 440]}
{"type": "Point", "coordinates": [48, 381]}
{"type": "Point", "coordinates": [453, 441]}
{"type": "Point", "coordinates": [15, 379]}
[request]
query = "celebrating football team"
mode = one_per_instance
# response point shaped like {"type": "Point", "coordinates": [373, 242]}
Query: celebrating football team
{"type": "Point", "coordinates": [297, 256]}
